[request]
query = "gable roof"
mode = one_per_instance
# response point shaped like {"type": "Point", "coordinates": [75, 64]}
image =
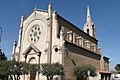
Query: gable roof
{"type": "Point", "coordinates": [31, 47]}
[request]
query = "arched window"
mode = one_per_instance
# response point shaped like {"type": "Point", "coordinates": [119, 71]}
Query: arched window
{"type": "Point", "coordinates": [32, 60]}
{"type": "Point", "coordinates": [88, 31]}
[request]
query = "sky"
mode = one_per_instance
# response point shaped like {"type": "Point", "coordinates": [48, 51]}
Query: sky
{"type": "Point", "coordinates": [105, 14]}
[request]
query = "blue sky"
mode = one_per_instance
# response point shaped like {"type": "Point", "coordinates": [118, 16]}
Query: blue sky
{"type": "Point", "coordinates": [105, 14]}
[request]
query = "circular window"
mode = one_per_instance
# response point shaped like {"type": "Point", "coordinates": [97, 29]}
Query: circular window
{"type": "Point", "coordinates": [34, 34]}
{"type": "Point", "coordinates": [56, 49]}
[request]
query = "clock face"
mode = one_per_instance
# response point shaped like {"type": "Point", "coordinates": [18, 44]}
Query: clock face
{"type": "Point", "coordinates": [34, 34]}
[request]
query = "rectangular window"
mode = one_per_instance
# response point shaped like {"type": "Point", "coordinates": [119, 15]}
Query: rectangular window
{"type": "Point", "coordinates": [93, 47]}
{"type": "Point", "coordinates": [70, 36]}
{"type": "Point", "coordinates": [79, 41]}
{"type": "Point", "coordinates": [87, 44]}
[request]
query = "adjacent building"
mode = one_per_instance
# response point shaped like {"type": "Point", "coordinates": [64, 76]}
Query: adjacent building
{"type": "Point", "coordinates": [46, 37]}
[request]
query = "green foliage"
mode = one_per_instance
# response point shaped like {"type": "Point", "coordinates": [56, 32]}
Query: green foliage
{"type": "Point", "coordinates": [4, 67]}
{"type": "Point", "coordinates": [50, 70]}
{"type": "Point", "coordinates": [33, 68]}
{"type": "Point", "coordinates": [15, 69]}
{"type": "Point", "coordinates": [2, 55]}
{"type": "Point", "coordinates": [58, 69]}
{"type": "Point", "coordinates": [3, 62]}
{"type": "Point", "coordinates": [81, 71]}
{"type": "Point", "coordinates": [117, 67]}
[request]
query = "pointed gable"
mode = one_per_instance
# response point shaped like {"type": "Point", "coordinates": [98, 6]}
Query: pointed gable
{"type": "Point", "coordinates": [31, 47]}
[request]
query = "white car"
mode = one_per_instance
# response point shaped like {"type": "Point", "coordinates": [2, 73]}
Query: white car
{"type": "Point", "coordinates": [117, 77]}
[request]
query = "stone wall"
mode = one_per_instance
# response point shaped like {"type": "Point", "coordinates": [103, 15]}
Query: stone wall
{"type": "Point", "coordinates": [75, 55]}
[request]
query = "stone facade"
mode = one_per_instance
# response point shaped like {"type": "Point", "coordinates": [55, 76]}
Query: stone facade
{"type": "Point", "coordinates": [46, 37]}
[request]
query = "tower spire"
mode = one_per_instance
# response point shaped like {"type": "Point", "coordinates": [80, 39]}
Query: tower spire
{"type": "Point", "coordinates": [88, 14]}
{"type": "Point", "coordinates": [89, 26]}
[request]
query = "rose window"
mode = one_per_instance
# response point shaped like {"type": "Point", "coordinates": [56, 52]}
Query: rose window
{"type": "Point", "coordinates": [34, 34]}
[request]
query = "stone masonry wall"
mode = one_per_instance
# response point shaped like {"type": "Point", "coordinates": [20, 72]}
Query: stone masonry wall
{"type": "Point", "coordinates": [74, 55]}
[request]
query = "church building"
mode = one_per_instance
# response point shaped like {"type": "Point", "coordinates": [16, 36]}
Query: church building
{"type": "Point", "coordinates": [46, 37]}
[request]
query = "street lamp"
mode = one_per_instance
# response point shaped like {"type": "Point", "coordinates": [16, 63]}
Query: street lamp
{"type": "Point", "coordinates": [0, 33]}
{"type": "Point", "coordinates": [39, 54]}
{"type": "Point", "coordinates": [88, 75]}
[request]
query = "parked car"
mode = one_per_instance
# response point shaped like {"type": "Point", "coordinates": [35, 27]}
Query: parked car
{"type": "Point", "coordinates": [117, 77]}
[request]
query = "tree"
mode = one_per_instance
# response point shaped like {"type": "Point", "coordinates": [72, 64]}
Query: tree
{"type": "Point", "coordinates": [2, 55]}
{"type": "Point", "coordinates": [81, 71]}
{"type": "Point", "coordinates": [117, 67]}
{"type": "Point", "coordinates": [4, 69]}
{"type": "Point", "coordinates": [14, 69]}
{"type": "Point", "coordinates": [2, 59]}
{"type": "Point", "coordinates": [10, 68]}
{"type": "Point", "coordinates": [22, 68]}
{"type": "Point", "coordinates": [50, 70]}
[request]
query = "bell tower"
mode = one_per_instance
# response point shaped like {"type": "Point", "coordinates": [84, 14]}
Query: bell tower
{"type": "Point", "coordinates": [89, 26]}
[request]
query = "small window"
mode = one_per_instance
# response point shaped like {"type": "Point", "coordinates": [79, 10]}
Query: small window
{"type": "Point", "coordinates": [87, 31]}
{"type": "Point", "coordinates": [93, 47]}
{"type": "Point", "coordinates": [62, 31]}
{"type": "Point", "coordinates": [56, 49]}
{"type": "Point", "coordinates": [93, 30]}
{"type": "Point", "coordinates": [87, 44]}
{"type": "Point", "coordinates": [58, 31]}
{"type": "Point", "coordinates": [70, 36]}
{"type": "Point", "coordinates": [80, 41]}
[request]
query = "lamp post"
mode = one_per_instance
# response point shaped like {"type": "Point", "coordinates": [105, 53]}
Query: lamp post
{"type": "Point", "coordinates": [25, 56]}
{"type": "Point", "coordinates": [0, 39]}
{"type": "Point", "coordinates": [88, 75]}
{"type": "Point", "coordinates": [39, 54]}
{"type": "Point", "coordinates": [0, 33]}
